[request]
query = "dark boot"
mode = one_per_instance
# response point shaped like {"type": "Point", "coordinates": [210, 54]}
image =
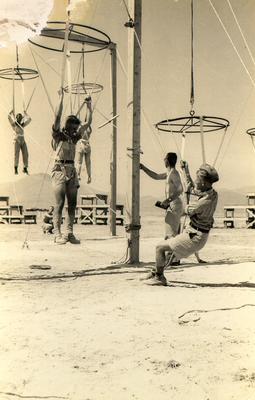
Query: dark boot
{"type": "Point", "coordinates": [16, 170]}
{"type": "Point", "coordinates": [25, 170]}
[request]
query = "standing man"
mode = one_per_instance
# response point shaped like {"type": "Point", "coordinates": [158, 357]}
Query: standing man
{"type": "Point", "coordinates": [18, 124]}
{"type": "Point", "coordinates": [173, 190]}
{"type": "Point", "coordinates": [64, 177]}
{"type": "Point", "coordinates": [196, 234]}
{"type": "Point", "coordinates": [83, 146]}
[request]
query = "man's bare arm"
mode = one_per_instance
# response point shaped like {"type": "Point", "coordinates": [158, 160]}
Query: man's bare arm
{"type": "Point", "coordinates": [153, 174]}
{"type": "Point", "coordinates": [11, 118]}
{"type": "Point", "coordinates": [56, 125]}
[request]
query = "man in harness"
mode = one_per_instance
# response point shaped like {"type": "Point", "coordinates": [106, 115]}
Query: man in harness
{"type": "Point", "coordinates": [195, 236]}
{"type": "Point", "coordinates": [64, 177]}
{"type": "Point", "coordinates": [83, 146]}
{"type": "Point", "coordinates": [18, 124]}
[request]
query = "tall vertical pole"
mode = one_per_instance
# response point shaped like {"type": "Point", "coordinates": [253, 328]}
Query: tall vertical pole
{"type": "Point", "coordinates": [113, 164]}
{"type": "Point", "coordinates": [135, 206]}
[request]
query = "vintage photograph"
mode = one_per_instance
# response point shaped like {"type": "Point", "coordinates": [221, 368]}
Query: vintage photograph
{"type": "Point", "coordinates": [127, 199]}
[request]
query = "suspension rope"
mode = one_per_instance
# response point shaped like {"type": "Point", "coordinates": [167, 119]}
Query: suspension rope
{"type": "Point", "coordinates": [23, 95]}
{"type": "Point", "coordinates": [32, 95]}
{"type": "Point", "coordinates": [220, 147]}
{"type": "Point", "coordinates": [25, 243]}
{"type": "Point", "coordinates": [201, 120]}
{"type": "Point", "coordinates": [144, 114]}
{"type": "Point", "coordinates": [77, 99]}
{"type": "Point", "coordinates": [241, 32]}
{"type": "Point", "coordinates": [42, 80]}
{"type": "Point", "coordinates": [127, 10]}
{"type": "Point", "coordinates": [232, 43]}
{"type": "Point", "coordinates": [235, 128]}
{"type": "Point", "coordinates": [69, 80]}
{"type": "Point", "coordinates": [13, 93]}
{"type": "Point", "coordinates": [65, 45]}
{"type": "Point", "coordinates": [192, 88]}
{"type": "Point", "coordinates": [46, 63]}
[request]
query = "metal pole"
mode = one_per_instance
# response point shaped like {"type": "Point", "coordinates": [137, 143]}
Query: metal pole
{"type": "Point", "coordinates": [135, 215]}
{"type": "Point", "coordinates": [113, 164]}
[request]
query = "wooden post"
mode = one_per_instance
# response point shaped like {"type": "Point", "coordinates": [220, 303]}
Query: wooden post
{"type": "Point", "coordinates": [113, 164]}
{"type": "Point", "coordinates": [136, 7]}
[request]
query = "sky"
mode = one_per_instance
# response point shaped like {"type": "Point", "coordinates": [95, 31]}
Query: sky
{"type": "Point", "coordinates": [223, 88]}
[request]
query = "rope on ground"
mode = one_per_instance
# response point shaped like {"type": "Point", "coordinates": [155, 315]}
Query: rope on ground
{"type": "Point", "coordinates": [213, 310]}
{"type": "Point", "coordinates": [20, 396]}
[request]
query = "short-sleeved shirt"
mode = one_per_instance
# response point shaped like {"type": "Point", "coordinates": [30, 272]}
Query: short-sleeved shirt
{"type": "Point", "coordinates": [201, 213]}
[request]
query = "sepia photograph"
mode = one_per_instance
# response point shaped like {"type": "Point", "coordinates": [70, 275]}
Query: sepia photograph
{"type": "Point", "coordinates": [127, 199]}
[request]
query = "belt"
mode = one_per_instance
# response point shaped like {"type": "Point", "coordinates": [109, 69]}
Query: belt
{"type": "Point", "coordinates": [199, 229]}
{"type": "Point", "coordinates": [65, 161]}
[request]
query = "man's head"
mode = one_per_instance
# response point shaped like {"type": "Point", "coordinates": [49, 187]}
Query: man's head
{"type": "Point", "coordinates": [170, 160]}
{"type": "Point", "coordinates": [206, 176]}
{"type": "Point", "coordinates": [19, 118]}
{"type": "Point", "coordinates": [51, 209]}
{"type": "Point", "coordinates": [72, 124]}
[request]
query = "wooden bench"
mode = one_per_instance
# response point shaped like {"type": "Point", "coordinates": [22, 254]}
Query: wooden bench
{"type": "Point", "coordinates": [13, 219]}
{"type": "Point", "coordinates": [230, 217]}
{"type": "Point", "coordinates": [229, 222]}
{"type": "Point", "coordinates": [30, 218]}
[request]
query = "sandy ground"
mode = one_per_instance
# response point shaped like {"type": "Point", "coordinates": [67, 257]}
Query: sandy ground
{"type": "Point", "coordinates": [89, 329]}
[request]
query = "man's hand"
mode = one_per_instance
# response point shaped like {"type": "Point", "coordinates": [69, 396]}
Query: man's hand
{"type": "Point", "coordinates": [88, 100]}
{"type": "Point", "coordinates": [61, 92]}
{"type": "Point", "coordinates": [165, 203]}
{"type": "Point", "coordinates": [183, 164]}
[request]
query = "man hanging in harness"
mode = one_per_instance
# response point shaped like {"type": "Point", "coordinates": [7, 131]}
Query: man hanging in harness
{"type": "Point", "coordinates": [83, 146]}
{"type": "Point", "coordinates": [18, 124]}
{"type": "Point", "coordinates": [64, 177]}
{"type": "Point", "coordinates": [196, 234]}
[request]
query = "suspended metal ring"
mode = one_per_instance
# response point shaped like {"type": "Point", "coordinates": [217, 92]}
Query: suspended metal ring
{"type": "Point", "coordinates": [18, 73]}
{"type": "Point", "coordinates": [251, 132]}
{"type": "Point", "coordinates": [78, 33]}
{"type": "Point", "coordinates": [192, 124]}
{"type": "Point", "coordinates": [84, 88]}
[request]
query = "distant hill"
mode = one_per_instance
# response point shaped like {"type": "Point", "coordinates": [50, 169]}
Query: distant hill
{"type": "Point", "coordinates": [35, 191]}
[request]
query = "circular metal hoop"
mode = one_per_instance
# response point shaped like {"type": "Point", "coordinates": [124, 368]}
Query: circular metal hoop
{"type": "Point", "coordinates": [18, 74]}
{"type": "Point", "coordinates": [192, 124]}
{"type": "Point", "coordinates": [84, 88]}
{"type": "Point", "coordinates": [78, 33]}
{"type": "Point", "coordinates": [251, 132]}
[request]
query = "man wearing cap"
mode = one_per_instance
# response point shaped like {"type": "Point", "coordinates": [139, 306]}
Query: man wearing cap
{"type": "Point", "coordinates": [196, 234]}
{"type": "Point", "coordinates": [64, 177]}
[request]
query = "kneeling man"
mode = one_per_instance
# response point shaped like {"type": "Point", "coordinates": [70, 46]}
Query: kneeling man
{"type": "Point", "coordinates": [196, 234]}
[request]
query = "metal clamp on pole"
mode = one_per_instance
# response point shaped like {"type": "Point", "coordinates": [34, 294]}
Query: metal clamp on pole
{"type": "Point", "coordinates": [132, 227]}
{"type": "Point", "coordinates": [130, 23]}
